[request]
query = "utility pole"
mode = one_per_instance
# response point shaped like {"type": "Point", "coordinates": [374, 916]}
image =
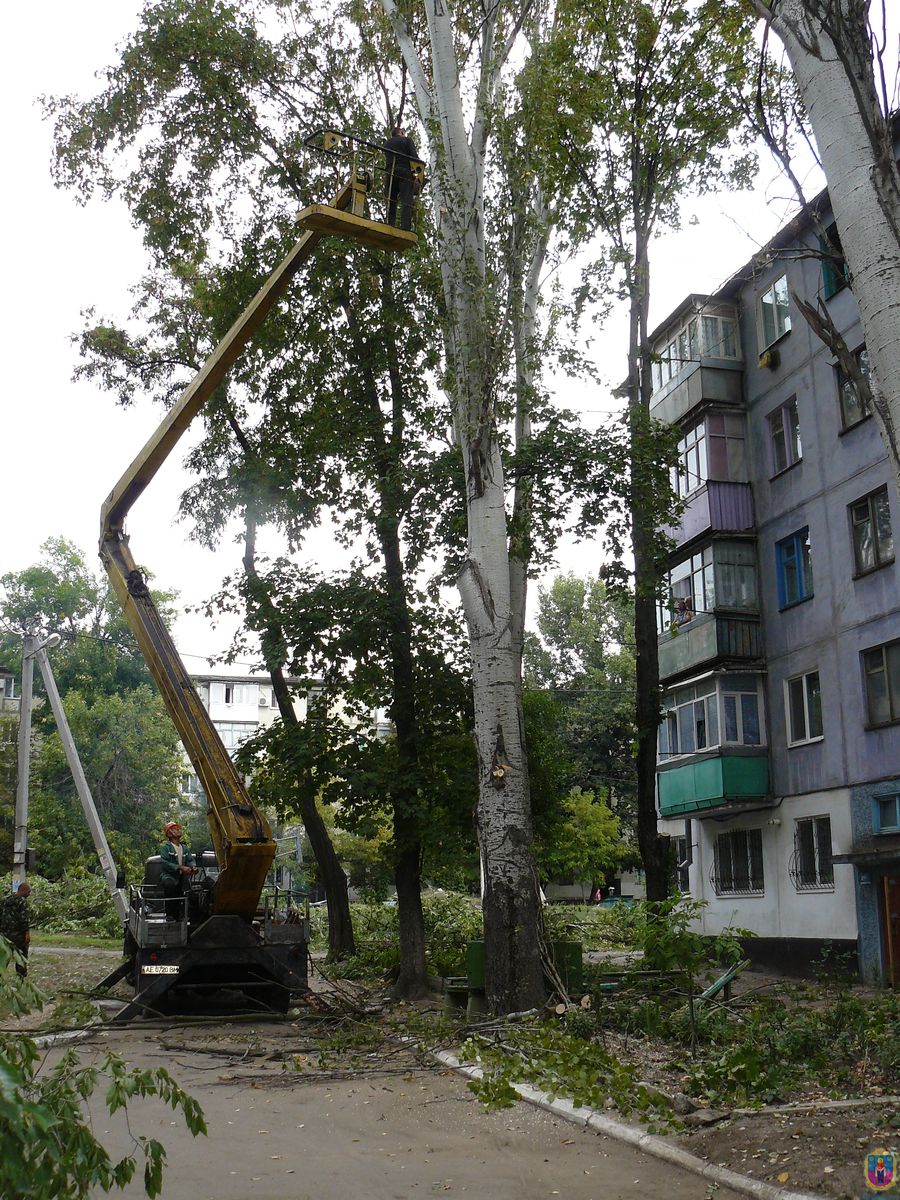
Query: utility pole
{"type": "Point", "coordinates": [20, 841]}
{"type": "Point", "coordinates": [101, 845]}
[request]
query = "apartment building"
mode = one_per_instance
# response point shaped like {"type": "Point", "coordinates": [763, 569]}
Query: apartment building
{"type": "Point", "coordinates": [779, 647]}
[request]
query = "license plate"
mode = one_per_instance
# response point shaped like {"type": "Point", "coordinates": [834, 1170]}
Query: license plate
{"type": "Point", "coordinates": [159, 969]}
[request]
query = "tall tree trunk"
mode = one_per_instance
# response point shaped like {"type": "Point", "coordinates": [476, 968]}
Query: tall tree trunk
{"type": "Point", "coordinates": [331, 874]}
{"type": "Point", "coordinates": [513, 975]}
{"type": "Point", "coordinates": [829, 46]}
{"type": "Point", "coordinates": [653, 848]}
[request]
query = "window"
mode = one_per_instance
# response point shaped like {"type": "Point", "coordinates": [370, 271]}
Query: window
{"type": "Point", "coordinates": [740, 719]}
{"type": "Point", "coordinates": [854, 408]}
{"type": "Point", "coordinates": [700, 717]}
{"type": "Point", "coordinates": [691, 591]}
{"type": "Point", "coordinates": [692, 721]}
{"type": "Point", "coordinates": [711, 334]}
{"type": "Point", "coordinates": [887, 814]}
{"type": "Point", "coordinates": [190, 784]}
{"type": "Point", "coordinates": [682, 852]}
{"type": "Point", "coordinates": [835, 272]}
{"type": "Point", "coordinates": [793, 569]}
{"type": "Point", "coordinates": [719, 336]}
{"type": "Point", "coordinates": [803, 708]}
{"type": "Point", "coordinates": [7, 686]}
{"type": "Point", "coordinates": [738, 864]}
{"type": "Point", "coordinates": [692, 471]}
{"type": "Point", "coordinates": [240, 693]}
{"type": "Point", "coordinates": [784, 436]}
{"type": "Point", "coordinates": [725, 435]}
{"type": "Point", "coordinates": [881, 667]}
{"type": "Point", "coordinates": [735, 576]}
{"type": "Point", "coordinates": [870, 523]}
{"type": "Point", "coordinates": [234, 733]}
{"type": "Point", "coordinates": [774, 313]}
{"type": "Point", "coordinates": [812, 868]}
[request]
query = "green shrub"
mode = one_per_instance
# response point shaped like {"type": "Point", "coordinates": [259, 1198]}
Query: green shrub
{"type": "Point", "coordinates": [74, 904]}
{"type": "Point", "coordinates": [451, 920]}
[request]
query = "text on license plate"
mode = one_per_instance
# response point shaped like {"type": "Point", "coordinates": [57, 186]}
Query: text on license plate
{"type": "Point", "coordinates": [159, 969]}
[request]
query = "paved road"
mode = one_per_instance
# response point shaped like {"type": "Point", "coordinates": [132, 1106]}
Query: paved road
{"type": "Point", "coordinates": [413, 1133]}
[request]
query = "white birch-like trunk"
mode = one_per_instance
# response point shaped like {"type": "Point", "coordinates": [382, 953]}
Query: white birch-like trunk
{"type": "Point", "coordinates": [836, 81]}
{"type": "Point", "coordinates": [457, 158]}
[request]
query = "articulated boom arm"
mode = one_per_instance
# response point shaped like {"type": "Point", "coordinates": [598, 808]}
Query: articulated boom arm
{"type": "Point", "coordinates": [241, 835]}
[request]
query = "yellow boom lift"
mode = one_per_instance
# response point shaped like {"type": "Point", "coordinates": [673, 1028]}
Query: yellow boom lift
{"type": "Point", "coordinates": [226, 940]}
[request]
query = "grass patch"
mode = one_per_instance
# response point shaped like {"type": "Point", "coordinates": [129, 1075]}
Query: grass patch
{"type": "Point", "coordinates": [80, 941]}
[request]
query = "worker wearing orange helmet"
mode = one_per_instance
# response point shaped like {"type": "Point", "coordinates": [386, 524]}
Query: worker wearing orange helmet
{"type": "Point", "coordinates": [177, 862]}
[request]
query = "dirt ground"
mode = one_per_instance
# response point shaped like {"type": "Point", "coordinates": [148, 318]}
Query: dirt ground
{"type": "Point", "coordinates": [393, 1129]}
{"type": "Point", "coordinates": [821, 1152]}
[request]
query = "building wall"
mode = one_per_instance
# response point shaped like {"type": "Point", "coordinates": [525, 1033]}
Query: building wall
{"type": "Point", "coordinates": [837, 775]}
{"type": "Point", "coordinates": [780, 911]}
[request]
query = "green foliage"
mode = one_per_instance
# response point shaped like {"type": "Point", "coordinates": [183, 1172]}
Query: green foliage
{"type": "Point", "coordinates": [562, 1062]}
{"type": "Point", "coordinates": [77, 903]}
{"type": "Point", "coordinates": [586, 843]}
{"type": "Point", "coordinates": [127, 745]}
{"type": "Point", "coordinates": [131, 757]}
{"type": "Point", "coordinates": [450, 922]}
{"type": "Point", "coordinates": [583, 662]}
{"type": "Point", "coordinates": [842, 1044]}
{"type": "Point", "coordinates": [614, 928]}
{"type": "Point", "coordinates": [98, 655]}
{"type": "Point", "coordinates": [49, 1147]}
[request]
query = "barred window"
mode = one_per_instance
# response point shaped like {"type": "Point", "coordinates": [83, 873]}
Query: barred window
{"type": "Point", "coordinates": [738, 863]}
{"type": "Point", "coordinates": [812, 868]}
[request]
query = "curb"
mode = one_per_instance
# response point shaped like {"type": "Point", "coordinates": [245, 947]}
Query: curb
{"type": "Point", "coordinates": [632, 1135]}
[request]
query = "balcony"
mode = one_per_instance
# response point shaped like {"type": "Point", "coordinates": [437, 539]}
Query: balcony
{"type": "Point", "coordinates": [707, 638]}
{"type": "Point", "coordinates": [712, 780]}
{"type": "Point", "coordinates": [697, 384]}
{"type": "Point", "coordinates": [718, 507]}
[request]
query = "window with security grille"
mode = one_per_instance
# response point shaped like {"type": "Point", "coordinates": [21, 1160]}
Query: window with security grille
{"type": "Point", "coordinates": [812, 867]}
{"type": "Point", "coordinates": [738, 863]}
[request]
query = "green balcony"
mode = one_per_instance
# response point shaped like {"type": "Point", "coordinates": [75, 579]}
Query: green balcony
{"type": "Point", "coordinates": [712, 781]}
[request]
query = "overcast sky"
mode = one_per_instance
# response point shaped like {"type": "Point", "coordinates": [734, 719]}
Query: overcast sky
{"type": "Point", "coordinates": [64, 444]}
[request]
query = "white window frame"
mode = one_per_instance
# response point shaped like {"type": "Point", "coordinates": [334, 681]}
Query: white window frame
{"type": "Point", "coordinates": [788, 709]}
{"type": "Point", "coordinates": [715, 729]}
{"type": "Point", "coordinates": [692, 471]}
{"type": "Point", "coordinates": [739, 718]}
{"type": "Point", "coordinates": [781, 324]}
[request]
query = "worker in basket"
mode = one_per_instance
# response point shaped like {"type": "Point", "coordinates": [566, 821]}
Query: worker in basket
{"type": "Point", "coordinates": [177, 866]}
{"type": "Point", "coordinates": [400, 153]}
